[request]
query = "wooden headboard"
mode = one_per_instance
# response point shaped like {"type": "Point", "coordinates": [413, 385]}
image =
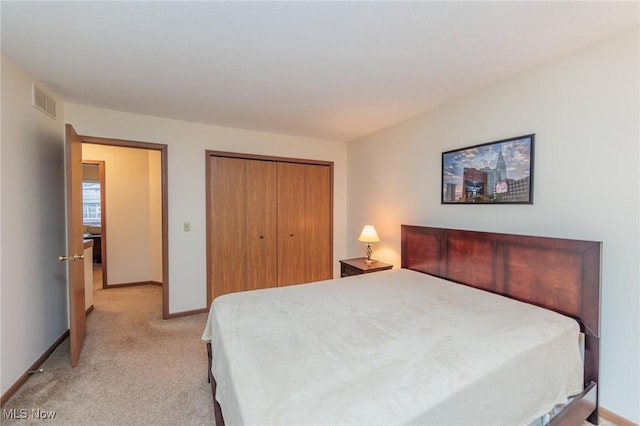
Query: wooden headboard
{"type": "Point", "coordinates": [557, 274]}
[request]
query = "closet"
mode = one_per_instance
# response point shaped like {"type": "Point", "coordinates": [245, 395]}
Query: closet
{"type": "Point", "coordinates": [269, 222]}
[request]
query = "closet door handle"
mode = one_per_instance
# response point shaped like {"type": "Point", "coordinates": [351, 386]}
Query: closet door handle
{"type": "Point", "coordinates": [291, 235]}
{"type": "Point", "coordinates": [262, 237]}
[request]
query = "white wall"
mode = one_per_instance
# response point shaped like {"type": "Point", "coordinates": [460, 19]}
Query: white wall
{"type": "Point", "coordinates": [187, 143]}
{"type": "Point", "coordinates": [584, 110]}
{"type": "Point", "coordinates": [129, 219]}
{"type": "Point", "coordinates": [33, 282]}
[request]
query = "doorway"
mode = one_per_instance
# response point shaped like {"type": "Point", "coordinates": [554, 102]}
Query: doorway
{"type": "Point", "coordinates": [121, 241]}
{"type": "Point", "coordinates": [94, 217]}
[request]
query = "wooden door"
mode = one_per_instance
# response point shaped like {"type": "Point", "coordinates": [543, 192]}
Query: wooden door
{"type": "Point", "coordinates": [304, 223]}
{"type": "Point", "coordinates": [227, 225]}
{"type": "Point", "coordinates": [318, 225]}
{"type": "Point", "coordinates": [261, 213]}
{"type": "Point", "coordinates": [75, 243]}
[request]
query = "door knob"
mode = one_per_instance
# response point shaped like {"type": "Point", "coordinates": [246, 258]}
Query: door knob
{"type": "Point", "coordinates": [74, 257]}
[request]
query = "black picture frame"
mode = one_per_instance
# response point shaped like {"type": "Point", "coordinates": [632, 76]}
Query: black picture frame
{"type": "Point", "coordinates": [499, 172]}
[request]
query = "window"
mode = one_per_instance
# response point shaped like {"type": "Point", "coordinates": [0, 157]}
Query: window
{"type": "Point", "coordinates": [91, 211]}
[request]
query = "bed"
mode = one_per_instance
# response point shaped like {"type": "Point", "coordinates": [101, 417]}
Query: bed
{"type": "Point", "coordinates": [414, 346]}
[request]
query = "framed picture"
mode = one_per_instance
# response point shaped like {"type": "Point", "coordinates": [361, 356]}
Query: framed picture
{"type": "Point", "coordinates": [499, 172]}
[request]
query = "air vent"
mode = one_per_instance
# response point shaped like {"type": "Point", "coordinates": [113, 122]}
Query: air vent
{"type": "Point", "coordinates": [44, 102]}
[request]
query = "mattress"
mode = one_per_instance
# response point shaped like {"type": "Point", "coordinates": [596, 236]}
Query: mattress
{"type": "Point", "coordinates": [393, 347]}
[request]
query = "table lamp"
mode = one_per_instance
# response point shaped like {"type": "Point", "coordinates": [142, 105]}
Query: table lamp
{"type": "Point", "coordinates": [369, 235]}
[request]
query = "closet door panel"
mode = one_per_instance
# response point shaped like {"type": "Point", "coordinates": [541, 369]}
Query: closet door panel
{"type": "Point", "coordinates": [291, 244]}
{"type": "Point", "coordinates": [261, 215]}
{"type": "Point", "coordinates": [227, 227]}
{"type": "Point", "coordinates": [304, 223]}
{"type": "Point", "coordinates": [318, 232]}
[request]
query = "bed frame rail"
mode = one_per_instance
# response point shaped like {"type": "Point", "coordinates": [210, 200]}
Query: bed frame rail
{"type": "Point", "coordinates": [216, 405]}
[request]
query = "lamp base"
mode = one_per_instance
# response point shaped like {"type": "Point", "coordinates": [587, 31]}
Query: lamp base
{"type": "Point", "coordinates": [370, 261]}
{"type": "Point", "coordinates": [369, 253]}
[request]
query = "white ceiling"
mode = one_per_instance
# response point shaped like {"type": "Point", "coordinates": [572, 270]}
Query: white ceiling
{"type": "Point", "coordinates": [328, 70]}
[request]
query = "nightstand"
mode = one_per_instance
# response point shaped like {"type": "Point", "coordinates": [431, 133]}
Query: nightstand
{"type": "Point", "coordinates": [359, 266]}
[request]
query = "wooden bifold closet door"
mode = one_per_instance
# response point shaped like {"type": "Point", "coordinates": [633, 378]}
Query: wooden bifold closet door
{"type": "Point", "coordinates": [260, 215]}
{"type": "Point", "coordinates": [304, 223]}
{"type": "Point", "coordinates": [269, 223]}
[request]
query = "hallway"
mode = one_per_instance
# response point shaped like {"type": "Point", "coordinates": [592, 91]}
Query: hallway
{"type": "Point", "coordinates": [135, 367]}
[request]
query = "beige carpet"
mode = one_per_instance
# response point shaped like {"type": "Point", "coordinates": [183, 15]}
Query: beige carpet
{"type": "Point", "coordinates": [135, 368]}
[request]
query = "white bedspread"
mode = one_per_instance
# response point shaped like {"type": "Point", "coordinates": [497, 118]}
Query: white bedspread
{"type": "Point", "coordinates": [393, 347]}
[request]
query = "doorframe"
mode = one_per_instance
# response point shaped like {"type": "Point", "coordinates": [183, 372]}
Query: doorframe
{"type": "Point", "coordinates": [163, 148]}
{"type": "Point", "coordinates": [103, 215]}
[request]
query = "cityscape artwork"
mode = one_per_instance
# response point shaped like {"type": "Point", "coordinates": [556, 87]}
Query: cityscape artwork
{"type": "Point", "coordinates": [499, 172]}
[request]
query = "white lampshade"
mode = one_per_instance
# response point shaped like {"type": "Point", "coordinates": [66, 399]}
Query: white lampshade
{"type": "Point", "coordinates": [369, 235]}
